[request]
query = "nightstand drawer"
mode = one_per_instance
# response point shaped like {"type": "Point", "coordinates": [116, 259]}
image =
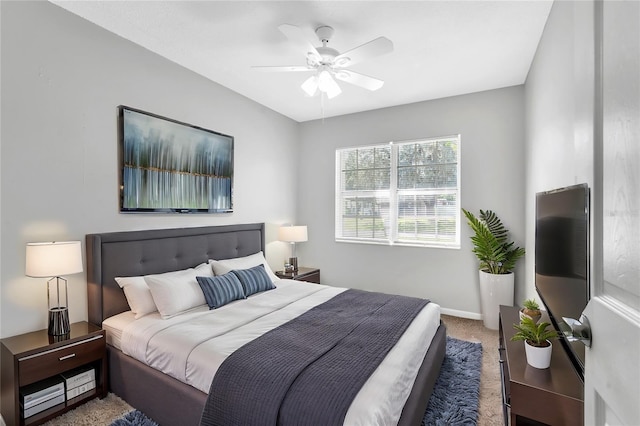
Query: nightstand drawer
{"type": "Point", "coordinates": [54, 361]}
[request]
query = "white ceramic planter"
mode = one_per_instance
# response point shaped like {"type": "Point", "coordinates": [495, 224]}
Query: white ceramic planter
{"type": "Point", "coordinates": [538, 357]}
{"type": "Point", "coordinates": [495, 290]}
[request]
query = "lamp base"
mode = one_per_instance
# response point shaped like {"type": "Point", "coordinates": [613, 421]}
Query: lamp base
{"type": "Point", "coordinates": [293, 261]}
{"type": "Point", "coordinates": [59, 321]}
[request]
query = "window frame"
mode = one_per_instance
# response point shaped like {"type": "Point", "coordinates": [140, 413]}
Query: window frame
{"type": "Point", "coordinates": [394, 194]}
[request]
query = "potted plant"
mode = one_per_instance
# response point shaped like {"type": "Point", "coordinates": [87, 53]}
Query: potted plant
{"type": "Point", "coordinates": [537, 341]}
{"type": "Point", "coordinates": [531, 309]}
{"type": "Point", "coordinates": [497, 258]}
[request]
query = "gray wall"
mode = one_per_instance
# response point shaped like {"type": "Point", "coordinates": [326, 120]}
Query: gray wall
{"type": "Point", "coordinates": [491, 125]}
{"type": "Point", "coordinates": [62, 79]}
{"type": "Point", "coordinates": [559, 99]}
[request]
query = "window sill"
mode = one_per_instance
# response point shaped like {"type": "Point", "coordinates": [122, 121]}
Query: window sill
{"type": "Point", "coordinates": [398, 243]}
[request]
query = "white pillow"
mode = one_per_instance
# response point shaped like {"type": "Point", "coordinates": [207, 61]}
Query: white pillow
{"type": "Point", "coordinates": [177, 292]}
{"type": "Point", "coordinates": [221, 267]}
{"type": "Point", "coordinates": [138, 295]}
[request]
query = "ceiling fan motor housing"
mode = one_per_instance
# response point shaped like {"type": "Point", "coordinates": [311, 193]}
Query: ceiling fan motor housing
{"type": "Point", "coordinates": [324, 33]}
{"type": "Point", "coordinates": [328, 54]}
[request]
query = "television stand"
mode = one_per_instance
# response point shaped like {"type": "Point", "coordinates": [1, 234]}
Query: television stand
{"type": "Point", "coordinates": [531, 396]}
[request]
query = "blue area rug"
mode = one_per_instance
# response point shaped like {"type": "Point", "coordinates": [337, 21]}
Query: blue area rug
{"type": "Point", "coordinates": [455, 396]}
{"type": "Point", "coordinates": [134, 418]}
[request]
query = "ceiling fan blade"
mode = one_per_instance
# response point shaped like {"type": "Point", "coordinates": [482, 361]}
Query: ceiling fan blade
{"type": "Point", "coordinates": [358, 79]}
{"type": "Point", "coordinates": [297, 36]}
{"type": "Point", "coordinates": [376, 47]}
{"type": "Point", "coordinates": [294, 68]}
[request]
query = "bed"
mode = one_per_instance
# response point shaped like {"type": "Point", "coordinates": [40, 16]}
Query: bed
{"type": "Point", "coordinates": [164, 398]}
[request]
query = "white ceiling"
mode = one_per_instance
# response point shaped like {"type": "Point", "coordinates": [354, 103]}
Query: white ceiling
{"type": "Point", "coordinates": [441, 48]}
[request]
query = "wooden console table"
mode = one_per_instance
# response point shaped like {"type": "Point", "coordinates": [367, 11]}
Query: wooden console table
{"type": "Point", "coordinates": [531, 396]}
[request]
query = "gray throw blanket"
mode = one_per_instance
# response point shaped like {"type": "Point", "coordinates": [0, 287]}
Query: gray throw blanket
{"type": "Point", "coordinates": [309, 370]}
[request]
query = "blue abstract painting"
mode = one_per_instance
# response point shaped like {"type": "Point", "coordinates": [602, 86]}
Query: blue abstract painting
{"type": "Point", "coordinates": [169, 166]}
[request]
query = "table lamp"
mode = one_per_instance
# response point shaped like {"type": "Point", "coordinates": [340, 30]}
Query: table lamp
{"type": "Point", "coordinates": [54, 259]}
{"type": "Point", "coordinates": [293, 235]}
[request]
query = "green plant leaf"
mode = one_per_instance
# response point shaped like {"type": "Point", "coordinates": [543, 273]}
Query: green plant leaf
{"type": "Point", "coordinates": [533, 333]}
{"type": "Point", "coordinates": [491, 246]}
{"type": "Point", "coordinates": [494, 224]}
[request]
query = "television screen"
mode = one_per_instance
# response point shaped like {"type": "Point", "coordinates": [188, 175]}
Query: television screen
{"type": "Point", "coordinates": [562, 259]}
{"type": "Point", "coordinates": [172, 167]}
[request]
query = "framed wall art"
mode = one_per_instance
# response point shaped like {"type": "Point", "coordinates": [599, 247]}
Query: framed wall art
{"type": "Point", "coordinates": [167, 166]}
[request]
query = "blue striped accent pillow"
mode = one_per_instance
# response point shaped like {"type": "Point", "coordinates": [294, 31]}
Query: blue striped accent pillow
{"type": "Point", "coordinates": [221, 289]}
{"type": "Point", "coordinates": [254, 279]}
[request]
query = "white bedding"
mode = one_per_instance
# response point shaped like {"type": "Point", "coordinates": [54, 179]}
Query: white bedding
{"type": "Point", "coordinates": [191, 346]}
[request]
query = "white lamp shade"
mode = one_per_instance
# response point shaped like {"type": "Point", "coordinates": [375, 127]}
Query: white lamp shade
{"type": "Point", "coordinates": [53, 259]}
{"type": "Point", "coordinates": [310, 86]}
{"type": "Point", "coordinates": [292, 234]}
{"type": "Point", "coordinates": [322, 81]}
{"type": "Point", "coordinates": [328, 85]}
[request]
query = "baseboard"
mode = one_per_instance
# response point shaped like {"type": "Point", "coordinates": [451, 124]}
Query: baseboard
{"type": "Point", "coordinates": [461, 314]}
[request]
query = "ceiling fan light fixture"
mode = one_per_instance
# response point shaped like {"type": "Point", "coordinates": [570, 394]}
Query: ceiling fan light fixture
{"type": "Point", "coordinates": [310, 85]}
{"type": "Point", "coordinates": [328, 85]}
{"type": "Point", "coordinates": [324, 79]}
{"type": "Point", "coordinates": [328, 64]}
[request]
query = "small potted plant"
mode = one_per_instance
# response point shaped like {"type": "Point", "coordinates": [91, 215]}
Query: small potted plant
{"type": "Point", "coordinates": [537, 341]}
{"type": "Point", "coordinates": [531, 309]}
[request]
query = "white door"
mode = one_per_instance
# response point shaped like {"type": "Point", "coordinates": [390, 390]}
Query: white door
{"type": "Point", "coordinates": [612, 366]}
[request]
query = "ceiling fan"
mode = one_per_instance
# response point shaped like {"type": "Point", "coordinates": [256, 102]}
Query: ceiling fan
{"type": "Point", "coordinates": [328, 64]}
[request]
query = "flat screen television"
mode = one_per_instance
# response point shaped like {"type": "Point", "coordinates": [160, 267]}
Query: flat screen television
{"type": "Point", "coordinates": [562, 260]}
{"type": "Point", "coordinates": [167, 166]}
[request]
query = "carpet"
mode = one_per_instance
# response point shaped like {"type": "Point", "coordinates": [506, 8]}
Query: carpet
{"type": "Point", "coordinates": [134, 418]}
{"type": "Point", "coordinates": [454, 400]}
{"type": "Point", "coordinates": [456, 395]}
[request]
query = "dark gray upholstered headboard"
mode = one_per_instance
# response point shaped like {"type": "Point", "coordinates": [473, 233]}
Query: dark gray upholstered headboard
{"type": "Point", "coordinates": [135, 253]}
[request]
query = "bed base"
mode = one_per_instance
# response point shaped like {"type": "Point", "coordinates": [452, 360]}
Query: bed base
{"type": "Point", "coordinates": [164, 399]}
{"type": "Point", "coordinates": [171, 402]}
{"type": "Point", "coordinates": [416, 405]}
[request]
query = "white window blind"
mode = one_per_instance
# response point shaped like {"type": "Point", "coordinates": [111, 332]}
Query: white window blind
{"type": "Point", "coordinates": [400, 193]}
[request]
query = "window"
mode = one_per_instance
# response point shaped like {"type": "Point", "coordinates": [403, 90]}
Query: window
{"type": "Point", "coordinates": [404, 193]}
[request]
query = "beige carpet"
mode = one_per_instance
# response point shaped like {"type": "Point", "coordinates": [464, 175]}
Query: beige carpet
{"type": "Point", "coordinates": [102, 412]}
{"type": "Point", "coordinates": [94, 413]}
{"type": "Point", "coordinates": [490, 410]}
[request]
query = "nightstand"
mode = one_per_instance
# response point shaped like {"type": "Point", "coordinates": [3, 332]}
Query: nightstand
{"type": "Point", "coordinates": [311, 275]}
{"type": "Point", "coordinates": [35, 357]}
